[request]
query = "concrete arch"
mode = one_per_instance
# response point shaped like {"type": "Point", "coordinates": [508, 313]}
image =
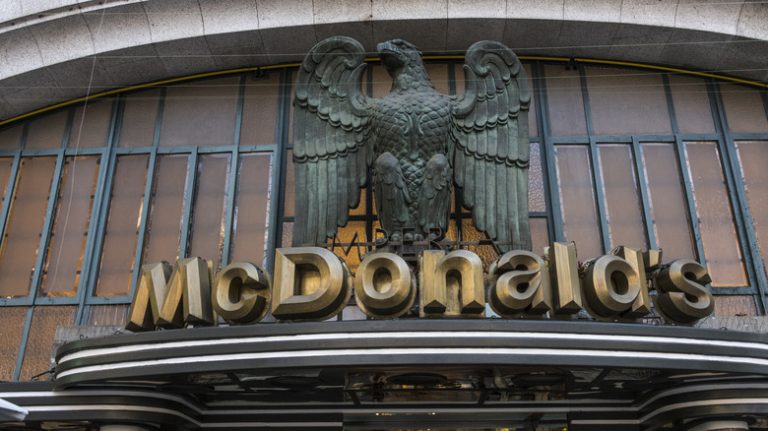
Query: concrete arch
{"type": "Point", "coordinates": [55, 50]}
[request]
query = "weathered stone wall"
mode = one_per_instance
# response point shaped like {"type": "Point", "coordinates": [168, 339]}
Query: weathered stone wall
{"type": "Point", "coordinates": [54, 50]}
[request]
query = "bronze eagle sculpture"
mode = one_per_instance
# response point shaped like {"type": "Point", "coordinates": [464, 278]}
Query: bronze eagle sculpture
{"type": "Point", "coordinates": [416, 140]}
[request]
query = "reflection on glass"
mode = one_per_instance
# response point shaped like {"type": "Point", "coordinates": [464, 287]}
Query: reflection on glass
{"type": "Point", "coordinates": [252, 206]}
{"type": "Point", "coordinates": [753, 156]}
{"type": "Point", "coordinates": [577, 200]}
{"type": "Point", "coordinates": [289, 195]}
{"type": "Point", "coordinates": [90, 124]}
{"type": "Point", "coordinates": [46, 131]}
{"type": "Point", "coordinates": [207, 235]}
{"type": "Point", "coordinates": [718, 234]}
{"type": "Point", "coordinates": [138, 123]}
{"type": "Point", "coordinates": [744, 109]}
{"type": "Point", "coordinates": [61, 273]}
{"type": "Point", "coordinates": [671, 224]}
{"type": "Point", "coordinates": [200, 113]}
{"type": "Point", "coordinates": [627, 101]}
{"type": "Point", "coordinates": [12, 321]}
{"type": "Point", "coordinates": [260, 110]}
{"type": "Point", "coordinates": [10, 137]}
{"type": "Point", "coordinates": [353, 233]}
{"type": "Point", "coordinates": [121, 235]}
{"type": "Point", "coordinates": [539, 235]}
{"type": "Point", "coordinates": [164, 225]}
{"type": "Point", "coordinates": [45, 320]}
{"type": "Point", "coordinates": [565, 103]}
{"type": "Point", "coordinates": [107, 315]}
{"type": "Point", "coordinates": [737, 305]}
{"type": "Point", "coordinates": [6, 163]}
{"type": "Point", "coordinates": [622, 197]}
{"type": "Point", "coordinates": [22, 234]}
{"type": "Point", "coordinates": [691, 101]}
{"type": "Point", "coordinates": [536, 201]}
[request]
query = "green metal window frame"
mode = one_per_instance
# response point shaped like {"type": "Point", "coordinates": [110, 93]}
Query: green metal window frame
{"type": "Point", "coordinates": [278, 151]}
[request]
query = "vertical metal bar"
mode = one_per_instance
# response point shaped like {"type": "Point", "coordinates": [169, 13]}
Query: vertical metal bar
{"type": "Point", "coordinates": [548, 155]}
{"type": "Point", "coordinates": [690, 202]}
{"type": "Point", "coordinates": [231, 186]}
{"type": "Point", "coordinates": [10, 190]}
{"type": "Point", "coordinates": [99, 196]}
{"type": "Point", "coordinates": [189, 203]}
{"type": "Point", "coordinates": [23, 344]}
{"type": "Point", "coordinates": [68, 128]}
{"type": "Point", "coordinates": [50, 214]}
{"type": "Point", "coordinates": [277, 191]}
{"type": "Point", "coordinates": [645, 197]}
{"type": "Point", "coordinates": [368, 186]}
{"type": "Point", "coordinates": [750, 251]}
{"type": "Point", "coordinates": [147, 198]}
{"type": "Point", "coordinates": [597, 175]}
{"type": "Point", "coordinates": [685, 174]}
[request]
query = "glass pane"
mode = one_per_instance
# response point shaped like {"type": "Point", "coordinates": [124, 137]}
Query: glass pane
{"type": "Point", "coordinates": [200, 113]}
{"type": "Point", "coordinates": [744, 109]}
{"type": "Point", "coordinates": [536, 201]}
{"type": "Point", "coordinates": [12, 321]}
{"type": "Point", "coordinates": [10, 138]}
{"type": "Point", "coordinates": [382, 82]}
{"type": "Point", "coordinates": [671, 223]}
{"type": "Point", "coordinates": [565, 102]}
{"type": "Point", "coordinates": [260, 110]}
{"type": "Point", "coordinates": [718, 233]}
{"type": "Point", "coordinates": [139, 114]}
{"type": "Point", "coordinates": [577, 200]}
{"type": "Point", "coordinates": [622, 197]}
{"type": "Point", "coordinates": [6, 164]}
{"type": "Point", "coordinates": [346, 235]}
{"type": "Point", "coordinates": [120, 237]}
{"type": "Point", "coordinates": [289, 194]}
{"type": "Point", "coordinates": [533, 129]}
{"type": "Point", "coordinates": [47, 131]}
{"type": "Point", "coordinates": [164, 225]}
{"type": "Point", "coordinates": [90, 124]}
{"type": "Point", "coordinates": [627, 102]}
{"type": "Point", "coordinates": [22, 234]}
{"type": "Point", "coordinates": [208, 217]}
{"type": "Point", "coordinates": [287, 235]}
{"type": "Point", "coordinates": [753, 156]}
{"type": "Point", "coordinates": [107, 315]}
{"type": "Point", "coordinates": [38, 357]}
{"type": "Point", "coordinates": [73, 212]}
{"type": "Point", "coordinates": [438, 73]}
{"type": "Point", "coordinates": [691, 101]}
{"type": "Point", "coordinates": [252, 202]}
{"type": "Point", "coordinates": [539, 235]}
{"type": "Point", "coordinates": [487, 253]}
{"type": "Point", "coordinates": [737, 305]}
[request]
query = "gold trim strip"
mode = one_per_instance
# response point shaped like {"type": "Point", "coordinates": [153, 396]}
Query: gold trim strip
{"type": "Point", "coordinates": [371, 59]}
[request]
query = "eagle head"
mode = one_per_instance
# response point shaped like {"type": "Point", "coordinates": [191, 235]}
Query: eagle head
{"type": "Point", "coordinates": [403, 63]}
{"type": "Point", "coordinates": [397, 53]}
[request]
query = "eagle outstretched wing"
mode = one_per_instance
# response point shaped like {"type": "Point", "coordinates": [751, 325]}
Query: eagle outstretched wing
{"type": "Point", "coordinates": [330, 148]}
{"type": "Point", "coordinates": [489, 136]}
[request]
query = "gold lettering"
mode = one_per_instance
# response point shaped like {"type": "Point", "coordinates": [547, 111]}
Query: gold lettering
{"type": "Point", "coordinates": [185, 294]}
{"type": "Point", "coordinates": [520, 284]}
{"type": "Point", "coordinates": [149, 297]}
{"type": "Point", "coordinates": [611, 286]}
{"type": "Point", "coordinates": [384, 286]}
{"type": "Point", "coordinates": [564, 270]}
{"type": "Point", "coordinates": [452, 284]}
{"type": "Point", "coordinates": [636, 260]}
{"type": "Point", "coordinates": [683, 297]}
{"type": "Point", "coordinates": [241, 293]}
{"type": "Point", "coordinates": [311, 283]}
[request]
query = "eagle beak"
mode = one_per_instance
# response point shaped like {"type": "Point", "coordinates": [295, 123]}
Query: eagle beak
{"type": "Point", "coordinates": [390, 55]}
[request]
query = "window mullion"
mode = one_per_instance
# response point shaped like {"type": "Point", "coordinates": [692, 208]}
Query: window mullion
{"type": "Point", "coordinates": [555, 224]}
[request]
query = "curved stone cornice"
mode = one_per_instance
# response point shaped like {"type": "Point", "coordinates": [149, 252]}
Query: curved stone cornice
{"type": "Point", "coordinates": [55, 50]}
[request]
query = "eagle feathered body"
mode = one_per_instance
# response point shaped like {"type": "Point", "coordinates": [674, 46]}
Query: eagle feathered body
{"type": "Point", "coordinates": [415, 141]}
{"type": "Point", "coordinates": [413, 125]}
